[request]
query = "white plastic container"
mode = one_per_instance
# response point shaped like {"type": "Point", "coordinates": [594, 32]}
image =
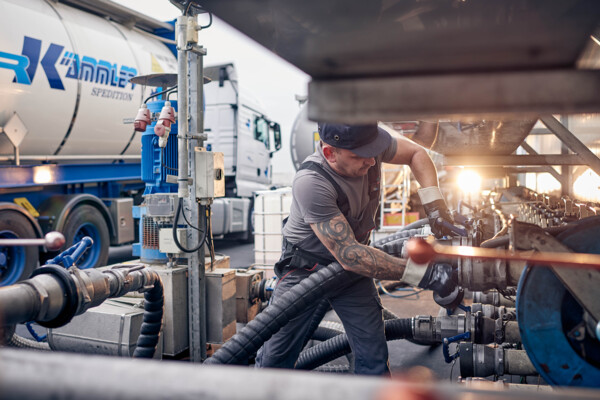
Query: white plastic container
{"type": "Point", "coordinates": [271, 207]}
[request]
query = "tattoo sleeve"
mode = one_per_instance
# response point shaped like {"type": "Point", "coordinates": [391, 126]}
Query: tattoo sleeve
{"type": "Point", "coordinates": [339, 239]}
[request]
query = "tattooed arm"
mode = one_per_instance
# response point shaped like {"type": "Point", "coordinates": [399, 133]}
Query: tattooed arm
{"type": "Point", "coordinates": [339, 239]}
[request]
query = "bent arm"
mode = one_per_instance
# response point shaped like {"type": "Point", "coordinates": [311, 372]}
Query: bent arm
{"type": "Point", "coordinates": [426, 134]}
{"type": "Point", "coordinates": [416, 157]}
{"type": "Point", "coordinates": [339, 239]}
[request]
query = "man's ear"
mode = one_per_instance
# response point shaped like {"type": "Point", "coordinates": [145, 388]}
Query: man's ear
{"type": "Point", "coordinates": [329, 153]}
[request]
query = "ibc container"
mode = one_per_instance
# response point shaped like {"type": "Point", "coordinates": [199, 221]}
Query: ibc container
{"type": "Point", "coordinates": [271, 207]}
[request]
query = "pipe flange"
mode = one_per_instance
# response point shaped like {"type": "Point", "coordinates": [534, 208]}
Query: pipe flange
{"type": "Point", "coordinates": [72, 297]}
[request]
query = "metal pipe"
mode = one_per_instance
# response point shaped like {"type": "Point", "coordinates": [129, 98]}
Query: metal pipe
{"type": "Point", "coordinates": [52, 241]}
{"type": "Point", "coordinates": [71, 158]}
{"type": "Point", "coordinates": [196, 267]}
{"type": "Point", "coordinates": [182, 105]}
{"type": "Point", "coordinates": [511, 332]}
{"type": "Point", "coordinates": [56, 294]}
{"type": "Point", "coordinates": [34, 375]}
{"type": "Point", "coordinates": [516, 362]}
{"type": "Point", "coordinates": [422, 252]}
{"type": "Point", "coordinates": [23, 304]}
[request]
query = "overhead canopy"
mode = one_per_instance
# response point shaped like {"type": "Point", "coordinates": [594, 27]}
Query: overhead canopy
{"type": "Point", "coordinates": [384, 59]}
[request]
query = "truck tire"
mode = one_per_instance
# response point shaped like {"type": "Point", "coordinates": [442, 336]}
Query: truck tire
{"type": "Point", "coordinates": [16, 263]}
{"type": "Point", "coordinates": [86, 220]}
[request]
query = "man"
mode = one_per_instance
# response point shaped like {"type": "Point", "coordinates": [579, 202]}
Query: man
{"type": "Point", "coordinates": [335, 198]}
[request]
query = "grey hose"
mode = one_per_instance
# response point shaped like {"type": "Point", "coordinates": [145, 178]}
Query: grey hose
{"type": "Point", "coordinates": [24, 343]}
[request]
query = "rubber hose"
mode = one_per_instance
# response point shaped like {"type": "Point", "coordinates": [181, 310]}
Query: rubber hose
{"type": "Point", "coordinates": [339, 346]}
{"type": "Point", "coordinates": [327, 330]}
{"type": "Point", "coordinates": [403, 234]}
{"type": "Point", "coordinates": [323, 333]}
{"type": "Point", "coordinates": [316, 319]}
{"type": "Point", "coordinates": [334, 369]}
{"type": "Point", "coordinates": [336, 326]}
{"type": "Point", "coordinates": [152, 322]}
{"type": "Point", "coordinates": [417, 224]}
{"type": "Point", "coordinates": [241, 346]}
{"type": "Point", "coordinates": [24, 343]}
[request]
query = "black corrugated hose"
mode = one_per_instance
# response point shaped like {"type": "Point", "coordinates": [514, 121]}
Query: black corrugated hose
{"type": "Point", "coordinates": [316, 319]}
{"type": "Point", "coordinates": [241, 346]}
{"type": "Point", "coordinates": [323, 333]}
{"type": "Point", "coordinates": [152, 322]}
{"type": "Point", "coordinates": [392, 244]}
{"type": "Point", "coordinates": [339, 346]}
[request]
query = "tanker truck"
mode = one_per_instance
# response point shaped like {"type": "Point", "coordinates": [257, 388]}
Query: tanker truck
{"type": "Point", "coordinates": [67, 160]}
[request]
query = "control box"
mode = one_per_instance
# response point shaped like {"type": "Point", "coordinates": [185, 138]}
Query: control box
{"type": "Point", "coordinates": [210, 174]}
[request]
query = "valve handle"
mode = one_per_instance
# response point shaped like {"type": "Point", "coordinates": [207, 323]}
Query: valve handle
{"type": "Point", "coordinates": [71, 255]}
{"type": "Point", "coordinates": [446, 346]}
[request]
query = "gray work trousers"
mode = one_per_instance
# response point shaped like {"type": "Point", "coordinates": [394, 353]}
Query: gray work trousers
{"type": "Point", "coordinates": [358, 306]}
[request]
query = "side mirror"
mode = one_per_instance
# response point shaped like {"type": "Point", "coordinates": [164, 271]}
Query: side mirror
{"type": "Point", "coordinates": [276, 136]}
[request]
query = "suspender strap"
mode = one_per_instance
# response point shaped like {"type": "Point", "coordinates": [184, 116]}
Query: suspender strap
{"type": "Point", "coordinates": [374, 179]}
{"type": "Point", "coordinates": [342, 199]}
{"type": "Point", "coordinates": [304, 255]}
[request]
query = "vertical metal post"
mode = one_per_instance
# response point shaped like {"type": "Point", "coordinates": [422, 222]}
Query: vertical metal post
{"type": "Point", "coordinates": [17, 156]}
{"type": "Point", "coordinates": [196, 267]}
{"type": "Point", "coordinates": [196, 286]}
{"type": "Point", "coordinates": [182, 105]}
{"type": "Point", "coordinates": [566, 171]}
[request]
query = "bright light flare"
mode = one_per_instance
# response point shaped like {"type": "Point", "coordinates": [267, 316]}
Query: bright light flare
{"type": "Point", "coordinates": [469, 181]}
{"type": "Point", "coordinates": [42, 174]}
{"type": "Point", "coordinates": [587, 186]}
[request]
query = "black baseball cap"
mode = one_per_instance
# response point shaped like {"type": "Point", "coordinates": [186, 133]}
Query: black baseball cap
{"type": "Point", "coordinates": [363, 140]}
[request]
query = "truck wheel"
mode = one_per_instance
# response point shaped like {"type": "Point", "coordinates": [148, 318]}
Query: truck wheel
{"type": "Point", "coordinates": [86, 220]}
{"type": "Point", "coordinates": [16, 263]}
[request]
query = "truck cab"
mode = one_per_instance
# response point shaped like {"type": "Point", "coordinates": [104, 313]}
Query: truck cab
{"type": "Point", "coordinates": [237, 125]}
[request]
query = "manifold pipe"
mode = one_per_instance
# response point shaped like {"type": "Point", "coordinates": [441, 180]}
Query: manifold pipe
{"type": "Point", "coordinates": [54, 295]}
{"type": "Point", "coordinates": [182, 106]}
{"type": "Point", "coordinates": [35, 375]}
{"type": "Point", "coordinates": [241, 346]}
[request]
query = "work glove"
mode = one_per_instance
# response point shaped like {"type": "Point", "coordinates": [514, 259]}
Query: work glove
{"type": "Point", "coordinates": [436, 210]}
{"type": "Point", "coordinates": [439, 277]}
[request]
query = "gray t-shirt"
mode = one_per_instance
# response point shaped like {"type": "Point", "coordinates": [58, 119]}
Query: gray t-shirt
{"type": "Point", "coordinates": [315, 198]}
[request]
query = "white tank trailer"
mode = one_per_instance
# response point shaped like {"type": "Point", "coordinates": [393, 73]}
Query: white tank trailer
{"type": "Point", "coordinates": [68, 162]}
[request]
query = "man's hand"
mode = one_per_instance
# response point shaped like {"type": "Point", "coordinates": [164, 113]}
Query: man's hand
{"type": "Point", "coordinates": [441, 278]}
{"type": "Point", "coordinates": [436, 210]}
